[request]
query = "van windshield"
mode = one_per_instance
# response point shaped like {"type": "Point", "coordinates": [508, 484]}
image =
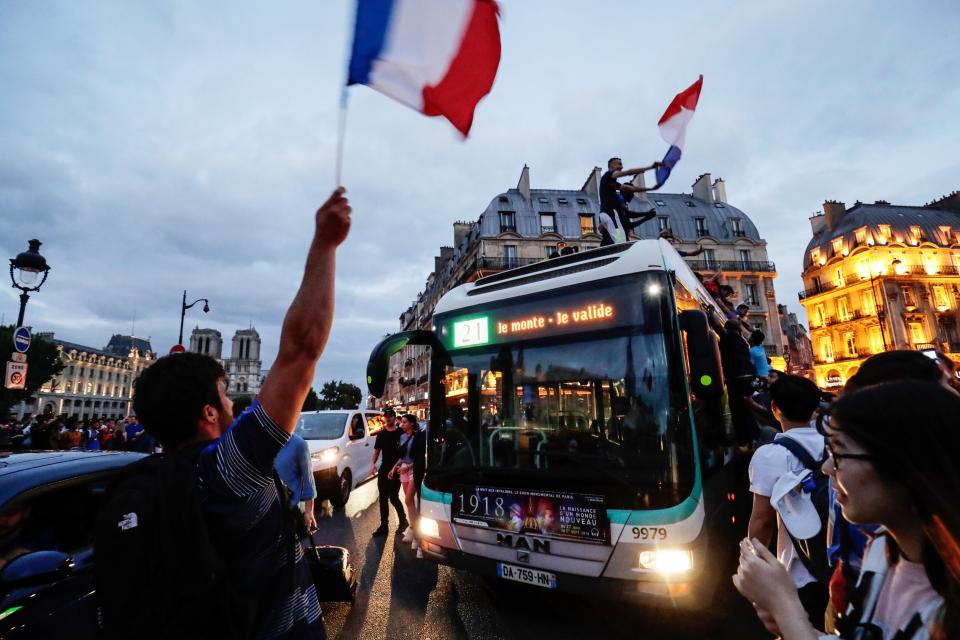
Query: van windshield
{"type": "Point", "coordinates": [322, 426]}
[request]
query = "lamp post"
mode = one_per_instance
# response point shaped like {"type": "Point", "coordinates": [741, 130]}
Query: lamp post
{"type": "Point", "coordinates": [183, 311]}
{"type": "Point", "coordinates": [25, 269]}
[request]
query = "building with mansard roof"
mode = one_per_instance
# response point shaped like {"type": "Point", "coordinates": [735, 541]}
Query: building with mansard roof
{"type": "Point", "coordinates": [524, 225]}
{"type": "Point", "coordinates": [879, 277]}
{"type": "Point", "coordinates": [94, 382]}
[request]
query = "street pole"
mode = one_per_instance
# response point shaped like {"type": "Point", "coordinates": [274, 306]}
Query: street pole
{"type": "Point", "coordinates": [183, 312]}
{"type": "Point", "coordinates": [23, 308]}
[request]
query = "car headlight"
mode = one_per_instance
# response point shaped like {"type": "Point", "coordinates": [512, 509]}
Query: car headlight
{"type": "Point", "coordinates": [429, 527]}
{"type": "Point", "coordinates": [667, 561]}
{"type": "Point", "coordinates": [327, 455]}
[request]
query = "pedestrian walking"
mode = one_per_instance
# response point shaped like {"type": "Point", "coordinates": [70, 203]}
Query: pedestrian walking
{"type": "Point", "coordinates": [906, 481]}
{"type": "Point", "coordinates": [238, 570]}
{"type": "Point", "coordinates": [775, 470]}
{"type": "Point", "coordinates": [409, 468]}
{"type": "Point", "coordinates": [294, 468]}
{"type": "Point", "coordinates": [387, 445]}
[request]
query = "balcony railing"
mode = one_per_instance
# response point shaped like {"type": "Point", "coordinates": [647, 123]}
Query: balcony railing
{"type": "Point", "coordinates": [904, 271]}
{"type": "Point", "coordinates": [504, 263]}
{"type": "Point", "coordinates": [548, 229]}
{"type": "Point", "coordinates": [856, 314]}
{"type": "Point", "coordinates": [739, 233]}
{"type": "Point", "coordinates": [702, 233]}
{"type": "Point", "coordinates": [511, 228]}
{"type": "Point", "coordinates": [732, 265]}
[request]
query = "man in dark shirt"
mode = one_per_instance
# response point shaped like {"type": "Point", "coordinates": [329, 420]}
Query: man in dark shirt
{"type": "Point", "coordinates": [181, 400]}
{"type": "Point", "coordinates": [388, 444]}
{"type": "Point", "coordinates": [614, 197]}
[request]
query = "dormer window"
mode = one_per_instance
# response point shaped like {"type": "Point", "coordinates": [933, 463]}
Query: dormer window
{"type": "Point", "coordinates": [915, 234]}
{"type": "Point", "coordinates": [838, 246]}
{"type": "Point", "coordinates": [861, 235]}
{"type": "Point", "coordinates": [884, 233]}
{"type": "Point", "coordinates": [946, 234]}
{"type": "Point", "coordinates": [738, 227]}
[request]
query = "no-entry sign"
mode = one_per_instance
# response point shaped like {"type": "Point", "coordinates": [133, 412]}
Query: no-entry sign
{"type": "Point", "coordinates": [21, 339]}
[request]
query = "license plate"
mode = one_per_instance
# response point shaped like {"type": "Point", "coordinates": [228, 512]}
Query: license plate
{"type": "Point", "coordinates": [527, 576]}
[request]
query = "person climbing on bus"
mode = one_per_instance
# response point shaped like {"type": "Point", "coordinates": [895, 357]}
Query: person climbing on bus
{"type": "Point", "coordinates": [615, 198]}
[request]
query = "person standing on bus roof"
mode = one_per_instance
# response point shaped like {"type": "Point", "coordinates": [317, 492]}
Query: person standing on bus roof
{"type": "Point", "coordinates": [614, 197]}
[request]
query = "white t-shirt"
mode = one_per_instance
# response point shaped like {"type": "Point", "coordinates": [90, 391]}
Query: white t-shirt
{"type": "Point", "coordinates": [769, 463]}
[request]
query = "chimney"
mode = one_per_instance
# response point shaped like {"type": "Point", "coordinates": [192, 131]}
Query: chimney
{"type": "Point", "coordinates": [818, 222]}
{"type": "Point", "coordinates": [947, 203]}
{"type": "Point", "coordinates": [524, 185]}
{"type": "Point", "coordinates": [460, 232]}
{"type": "Point", "coordinates": [592, 186]}
{"type": "Point", "coordinates": [720, 190]}
{"type": "Point", "coordinates": [638, 181]}
{"type": "Point", "coordinates": [834, 211]}
{"type": "Point", "coordinates": [701, 188]}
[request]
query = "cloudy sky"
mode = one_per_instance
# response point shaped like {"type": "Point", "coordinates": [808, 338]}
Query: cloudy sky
{"type": "Point", "coordinates": [158, 146]}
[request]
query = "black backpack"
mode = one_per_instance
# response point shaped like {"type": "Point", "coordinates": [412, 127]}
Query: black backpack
{"type": "Point", "coordinates": [813, 551]}
{"type": "Point", "coordinates": [157, 572]}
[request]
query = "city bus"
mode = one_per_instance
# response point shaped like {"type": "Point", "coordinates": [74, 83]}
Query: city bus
{"type": "Point", "coordinates": [579, 436]}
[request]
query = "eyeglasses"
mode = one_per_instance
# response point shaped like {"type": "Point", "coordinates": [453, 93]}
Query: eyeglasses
{"type": "Point", "coordinates": [835, 457]}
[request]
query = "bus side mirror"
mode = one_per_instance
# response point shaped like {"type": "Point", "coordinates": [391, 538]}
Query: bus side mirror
{"type": "Point", "coordinates": [706, 374]}
{"type": "Point", "coordinates": [378, 366]}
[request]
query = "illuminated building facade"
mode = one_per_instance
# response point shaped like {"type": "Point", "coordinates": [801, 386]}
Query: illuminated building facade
{"type": "Point", "coordinates": [94, 382]}
{"type": "Point", "coordinates": [524, 225]}
{"type": "Point", "coordinates": [879, 277]}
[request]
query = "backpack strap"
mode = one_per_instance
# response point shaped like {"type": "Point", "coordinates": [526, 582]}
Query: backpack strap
{"type": "Point", "coordinates": [799, 451]}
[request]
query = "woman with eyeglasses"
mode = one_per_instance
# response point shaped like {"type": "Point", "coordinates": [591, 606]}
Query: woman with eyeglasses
{"type": "Point", "coordinates": [893, 456]}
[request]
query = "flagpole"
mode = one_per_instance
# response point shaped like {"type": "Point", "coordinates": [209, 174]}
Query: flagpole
{"type": "Point", "coordinates": [341, 134]}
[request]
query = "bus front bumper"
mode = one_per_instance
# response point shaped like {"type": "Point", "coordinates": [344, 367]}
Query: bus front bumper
{"type": "Point", "coordinates": [679, 593]}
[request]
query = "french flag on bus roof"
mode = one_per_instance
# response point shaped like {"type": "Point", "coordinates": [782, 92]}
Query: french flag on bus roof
{"type": "Point", "coordinates": [673, 127]}
{"type": "Point", "coordinates": [439, 57]}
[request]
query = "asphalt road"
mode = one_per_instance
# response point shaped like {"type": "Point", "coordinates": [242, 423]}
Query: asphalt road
{"type": "Point", "coordinates": [401, 597]}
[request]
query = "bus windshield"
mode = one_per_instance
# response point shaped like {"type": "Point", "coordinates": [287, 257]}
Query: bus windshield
{"type": "Point", "coordinates": [605, 409]}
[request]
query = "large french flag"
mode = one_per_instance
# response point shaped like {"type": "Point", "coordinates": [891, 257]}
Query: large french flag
{"type": "Point", "coordinates": [673, 127]}
{"type": "Point", "coordinates": [439, 57]}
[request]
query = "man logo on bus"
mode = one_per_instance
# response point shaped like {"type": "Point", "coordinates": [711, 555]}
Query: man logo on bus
{"type": "Point", "coordinates": [519, 542]}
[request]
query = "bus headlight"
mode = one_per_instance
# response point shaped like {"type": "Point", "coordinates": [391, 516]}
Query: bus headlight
{"type": "Point", "coordinates": [327, 455]}
{"type": "Point", "coordinates": [429, 527]}
{"type": "Point", "coordinates": [667, 561]}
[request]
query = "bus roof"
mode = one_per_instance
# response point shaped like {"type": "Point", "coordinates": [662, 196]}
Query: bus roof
{"type": "Point", "coordinates": [586, 266]}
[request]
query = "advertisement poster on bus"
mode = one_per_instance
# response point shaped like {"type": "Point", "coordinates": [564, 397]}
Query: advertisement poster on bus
{"type": "Point", "coordinates": [558, 514]}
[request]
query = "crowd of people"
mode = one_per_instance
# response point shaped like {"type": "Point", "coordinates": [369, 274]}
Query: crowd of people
{"type": "Point", "coordinates": [861, 494]}
{"type": "Point", "coordinates": [46, 432]}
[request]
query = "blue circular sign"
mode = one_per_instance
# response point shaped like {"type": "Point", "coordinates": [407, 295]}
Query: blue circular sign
{"type": "Point", "coordinates": [21, 339]}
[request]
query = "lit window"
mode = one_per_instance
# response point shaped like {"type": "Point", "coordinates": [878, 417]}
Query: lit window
{"type": "Point", "coordinates": [837, 246]}
{"type": "Point", "coordinates": [915, 234]}
{"type": "Point", "coordinates": [863, 268]}
{"type": "Point", "coordinates": [917, 334]}
{"type": "Point", "coordinates": [909, 298]}
{"type": "Point", "coordinates": [838, 277]}
{"type": "Point", "coordinates": [850, 344]}
{"type": "Point", "coordinates": [867, 303]}
{"type": "Point", "coordinates": [884, 233]}
{"type": "Point", "coordinates": [861, 235]}
{"type": "Point", "coordinates": [946, 234]}
{"type": "Point", "coordinates": [826, 350]}
{"type": "Point", "coordinates": [586, 224]}
{"type": "Point", "coordinates": [843, 311]}
{"type": "Point", "coordinates": [876, 340]}
{"type": "Point", "coordinates": [940, 297]}
{"type": "Point", "coordinates": [818, 314]}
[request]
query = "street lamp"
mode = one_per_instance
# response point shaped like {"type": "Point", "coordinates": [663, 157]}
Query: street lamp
{"type": "Point", "coordinates": [25, 269]}
{"type": "Point", "coordinates": [183, 311]}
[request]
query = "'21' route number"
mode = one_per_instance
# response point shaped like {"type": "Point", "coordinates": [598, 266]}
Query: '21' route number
{"type": "Point", "coordinates": [649, 533]}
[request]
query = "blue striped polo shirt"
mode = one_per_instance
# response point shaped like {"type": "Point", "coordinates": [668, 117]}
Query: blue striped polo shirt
{"type": "Point", "coordinates": [240, 501]}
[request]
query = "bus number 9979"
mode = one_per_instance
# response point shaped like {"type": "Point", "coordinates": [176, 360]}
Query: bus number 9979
{"type": "Point", "coordinates": [649, 533]}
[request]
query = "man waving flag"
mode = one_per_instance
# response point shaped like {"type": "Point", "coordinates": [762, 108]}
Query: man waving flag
{"type": "Point", "coordinates": [439, 57]}
{"type": "Point", "coordinates": [673, 127]}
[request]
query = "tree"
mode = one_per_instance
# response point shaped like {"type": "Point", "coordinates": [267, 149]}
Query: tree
{"type": "Point", "coordinates": [338, 394]}
{"type": "Point", "coordinates": [311, 402]}
{"type": "Point", "coordinates": [43, 363]}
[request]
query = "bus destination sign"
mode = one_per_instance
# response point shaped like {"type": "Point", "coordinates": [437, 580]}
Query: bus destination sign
{"type": "Point", "coordinates": [475, 331]}
{"type": "Point", "coordinates": [557, 514]}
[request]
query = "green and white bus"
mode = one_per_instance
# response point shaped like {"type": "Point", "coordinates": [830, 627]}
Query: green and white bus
{"type": "Point", "coordinates": [579, 437]}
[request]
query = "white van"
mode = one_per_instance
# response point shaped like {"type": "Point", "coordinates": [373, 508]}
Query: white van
{"type": "Point", "coordinates": [341, 445]}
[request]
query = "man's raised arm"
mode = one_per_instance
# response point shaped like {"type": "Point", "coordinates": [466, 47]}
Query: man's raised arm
{"type": "Point", "coordinates": [632, 172]}
{"type": "Point", "coordinates": [307, 323]}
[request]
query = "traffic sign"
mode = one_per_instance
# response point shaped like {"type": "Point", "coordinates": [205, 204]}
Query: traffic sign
{"type": "Point", "coordinates": [16, 377]}
{"type": "Point", "coordinates": [18, 357]}
{"type": "Point", "coordinates": [21, 339]}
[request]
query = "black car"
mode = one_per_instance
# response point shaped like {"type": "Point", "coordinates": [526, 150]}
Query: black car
{"type": "Point", "coordinates": [49, 502]}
